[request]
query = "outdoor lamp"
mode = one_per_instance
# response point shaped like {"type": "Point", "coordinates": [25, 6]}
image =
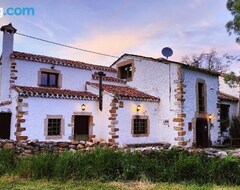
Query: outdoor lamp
{"type": "Point", "coordinates": [83, 107]}
{"type": "Point", "coordinates": [138, 107]}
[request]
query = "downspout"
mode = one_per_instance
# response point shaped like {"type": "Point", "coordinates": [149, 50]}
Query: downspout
{"type": "Point", "coordinates": [101, 74]}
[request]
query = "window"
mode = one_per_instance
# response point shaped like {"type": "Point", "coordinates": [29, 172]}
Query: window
{"type": "Point", "coordinates": [224, 117]}
{"type": "Point", "coordinates": [140, 126]}
{"type": "Point", "coordinates": [54, 127]}
{"type": "Point", "coordinates": [126, 71]}
{"type": "Point", "coordinates": [201, 98]}
{"type": "Point", "coordinates": [49, 79]}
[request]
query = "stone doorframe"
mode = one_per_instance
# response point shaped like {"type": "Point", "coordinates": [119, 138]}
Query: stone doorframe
{"type": "Point", "coordinates": [194, 121]}
{"type": "Point", "coordinates": [198, 114]}
{"type": "Point", "coordinates": [91, 124]}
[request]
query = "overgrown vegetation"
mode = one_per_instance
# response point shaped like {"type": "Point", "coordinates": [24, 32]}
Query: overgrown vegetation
{"type": "Point", "coordinates": [105, 165]}
{"type": "Point", "coordinates": [234, 130]}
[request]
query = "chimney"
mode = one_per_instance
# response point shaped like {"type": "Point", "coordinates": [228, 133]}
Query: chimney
{"type": "Point", "coordinates": [7, 49]}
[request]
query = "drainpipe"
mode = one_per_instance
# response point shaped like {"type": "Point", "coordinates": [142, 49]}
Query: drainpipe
{"type": "Point", "coordinates": [100, 74]}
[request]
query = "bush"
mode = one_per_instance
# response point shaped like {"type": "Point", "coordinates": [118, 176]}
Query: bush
{"type": "Point", "coordinates": [225, 171]}
{"type": "Point", "coordinates": [235, 127]}
{"type": "Point", "coordinates": [37, 167]}
{"type": "Point", "coordinates": [7, 161]}
{"type": "Point", "coordinates": [106, 165]}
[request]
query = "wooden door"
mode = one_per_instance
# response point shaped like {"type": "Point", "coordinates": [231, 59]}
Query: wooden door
{"type": "Point", "coordinates": [81, 128]}
{"type": "Point", "coordinates": [202, 132]}
{"type": "Point", "coordinates": [5, 124]}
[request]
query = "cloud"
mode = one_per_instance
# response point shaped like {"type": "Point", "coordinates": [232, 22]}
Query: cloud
{"type": "Point", "coordinates": [113, 43]}
{"type": "Point", "coordinates": [45, 29]}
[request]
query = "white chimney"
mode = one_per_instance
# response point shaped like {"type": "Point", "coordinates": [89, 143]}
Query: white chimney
{"type": "Point", "coordinates": [5, 67]}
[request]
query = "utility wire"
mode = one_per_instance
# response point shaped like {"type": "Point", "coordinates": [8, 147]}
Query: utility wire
{"type": "Point", "coordinates": [67, 46]}
{"type": "Point", "coordinates": [75, 48]}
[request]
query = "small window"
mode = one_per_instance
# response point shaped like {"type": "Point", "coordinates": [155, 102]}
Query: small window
{"type": "Point", "coordinates": [140, 126]}
{"type": "Point", "coordinates": [201, 98]}
{"type": "Point", "coordinates": [54, 127]}
{"type": "Point", "coordinates": [126, 71]}
{"type": "Point", "coordinates": [49, 79]}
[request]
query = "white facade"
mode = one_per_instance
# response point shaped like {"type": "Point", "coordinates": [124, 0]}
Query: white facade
{"type": "Point", "coordinates": [190, 105]}
{"type": "Point", "coordinates": [164, 90]}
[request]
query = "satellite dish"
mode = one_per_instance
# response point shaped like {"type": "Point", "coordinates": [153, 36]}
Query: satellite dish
{"type": "Point", "coordinates": [167, 52]}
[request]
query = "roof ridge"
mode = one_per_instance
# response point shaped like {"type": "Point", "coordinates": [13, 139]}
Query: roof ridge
{"type": "Point", "coordinates": [227, 94]}
{"type": "Point", "coordinates": [109, 78]}
{"type": "Point", "coordinates": [43, 92]}
{"type": "Point", "coordinates": [169, 61]}
{"type": "Point", "coordinates": [126, 92]}
{"type": "Point", "coordinates": [59, 61]}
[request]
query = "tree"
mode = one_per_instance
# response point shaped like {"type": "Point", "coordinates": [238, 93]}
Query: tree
{"type": "Point", "coordinates": [233, 26]}
{"type": "Point", "coordinates": [210, 61]}
{"type": "Point", "coordinates": [232, 79]}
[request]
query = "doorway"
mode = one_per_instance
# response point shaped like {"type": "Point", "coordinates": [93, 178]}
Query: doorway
{"type": "Point", "coordinates": [81, 128]}
{"type": "Point", "coordinates": [5, 125]}
{"type": "Point", "coordinates": [202, 132]}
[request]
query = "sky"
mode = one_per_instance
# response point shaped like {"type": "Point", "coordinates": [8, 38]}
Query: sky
{"type": "Point", "coordinates": [115, 27]}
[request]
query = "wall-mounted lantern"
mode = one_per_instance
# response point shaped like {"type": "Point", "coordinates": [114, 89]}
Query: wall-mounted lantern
{"type": "Point", "coordinates": [83, 107]}
{"type": "Point", "coordinates": [138, 108]}
{"type": "Point", "coordinates": [121, 104]}
{"type": "Point", "coordinates": [210, 117]}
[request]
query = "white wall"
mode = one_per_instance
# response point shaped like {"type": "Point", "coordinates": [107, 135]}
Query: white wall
{"type": "Point", "coordinates": [124, 123]}
{"type": "Point", "coordinates": [158, 79]}
{"type": "Point", "coordinates": [72, 78]}
{"type": "Point", "coordinates": [102, 130]}
{"type": "Point", "coordinates": [39, 108]}
{"type": "Point", "coordinates": [189, 108]}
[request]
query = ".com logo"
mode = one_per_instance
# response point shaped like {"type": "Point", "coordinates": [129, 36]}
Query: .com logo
{"type": "Point", "coordinates": [17, 11]}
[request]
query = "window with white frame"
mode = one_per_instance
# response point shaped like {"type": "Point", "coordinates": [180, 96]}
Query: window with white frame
{"type": "Point", "coordinates": [54, 127]}
{"type": "Point", "coordinates": [140, 126]}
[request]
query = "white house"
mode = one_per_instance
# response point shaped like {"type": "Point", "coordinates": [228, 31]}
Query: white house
{"type": "Point", "coordinates": [144, 100]}
{"type": "Point", "coordinates": [229, 104]}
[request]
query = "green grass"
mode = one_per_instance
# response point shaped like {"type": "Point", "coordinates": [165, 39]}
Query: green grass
{"type": "Point", "coordinates": [15, 183]}
{"type": "Point", "coordinates": [173, 166]}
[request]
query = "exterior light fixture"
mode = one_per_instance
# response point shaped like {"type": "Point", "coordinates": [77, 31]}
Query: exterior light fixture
{"type": "Point", "coordinates": [83, 107]}
{"type": "Point", "coordinates": [210, 120]}
{"type": "Point", "coordinates": [138, 108]}
{"type": "Point", "coordinates": [121, 104]}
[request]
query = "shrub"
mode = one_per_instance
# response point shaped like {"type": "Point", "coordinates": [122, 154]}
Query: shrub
{"type": "Point", "coordinates": [7, 161]}
{"type": "Point", "coordinates": [37, 167]}
{"type": "Point", "coordinates": [106, 165]}
{"type": "Point", "coordinates": [235, 127]}
{"type": "Point", "coordinates": [225, 171]}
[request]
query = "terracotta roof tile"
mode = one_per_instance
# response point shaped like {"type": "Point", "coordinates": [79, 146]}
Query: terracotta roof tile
{"type": "Point", "coordinates": [107, 78]}
{"type": "Point", "coordinates": [227, 97]}
{"type": "Point", "coordinates": [58, 61]}
{"type": "Point", "coordinates": [126, 93]}
{"type": "Point", "coordinates": [54, 93]}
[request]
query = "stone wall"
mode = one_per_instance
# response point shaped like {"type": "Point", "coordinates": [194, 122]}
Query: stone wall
{"type": "Point", "coordinates": [35, 147]}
